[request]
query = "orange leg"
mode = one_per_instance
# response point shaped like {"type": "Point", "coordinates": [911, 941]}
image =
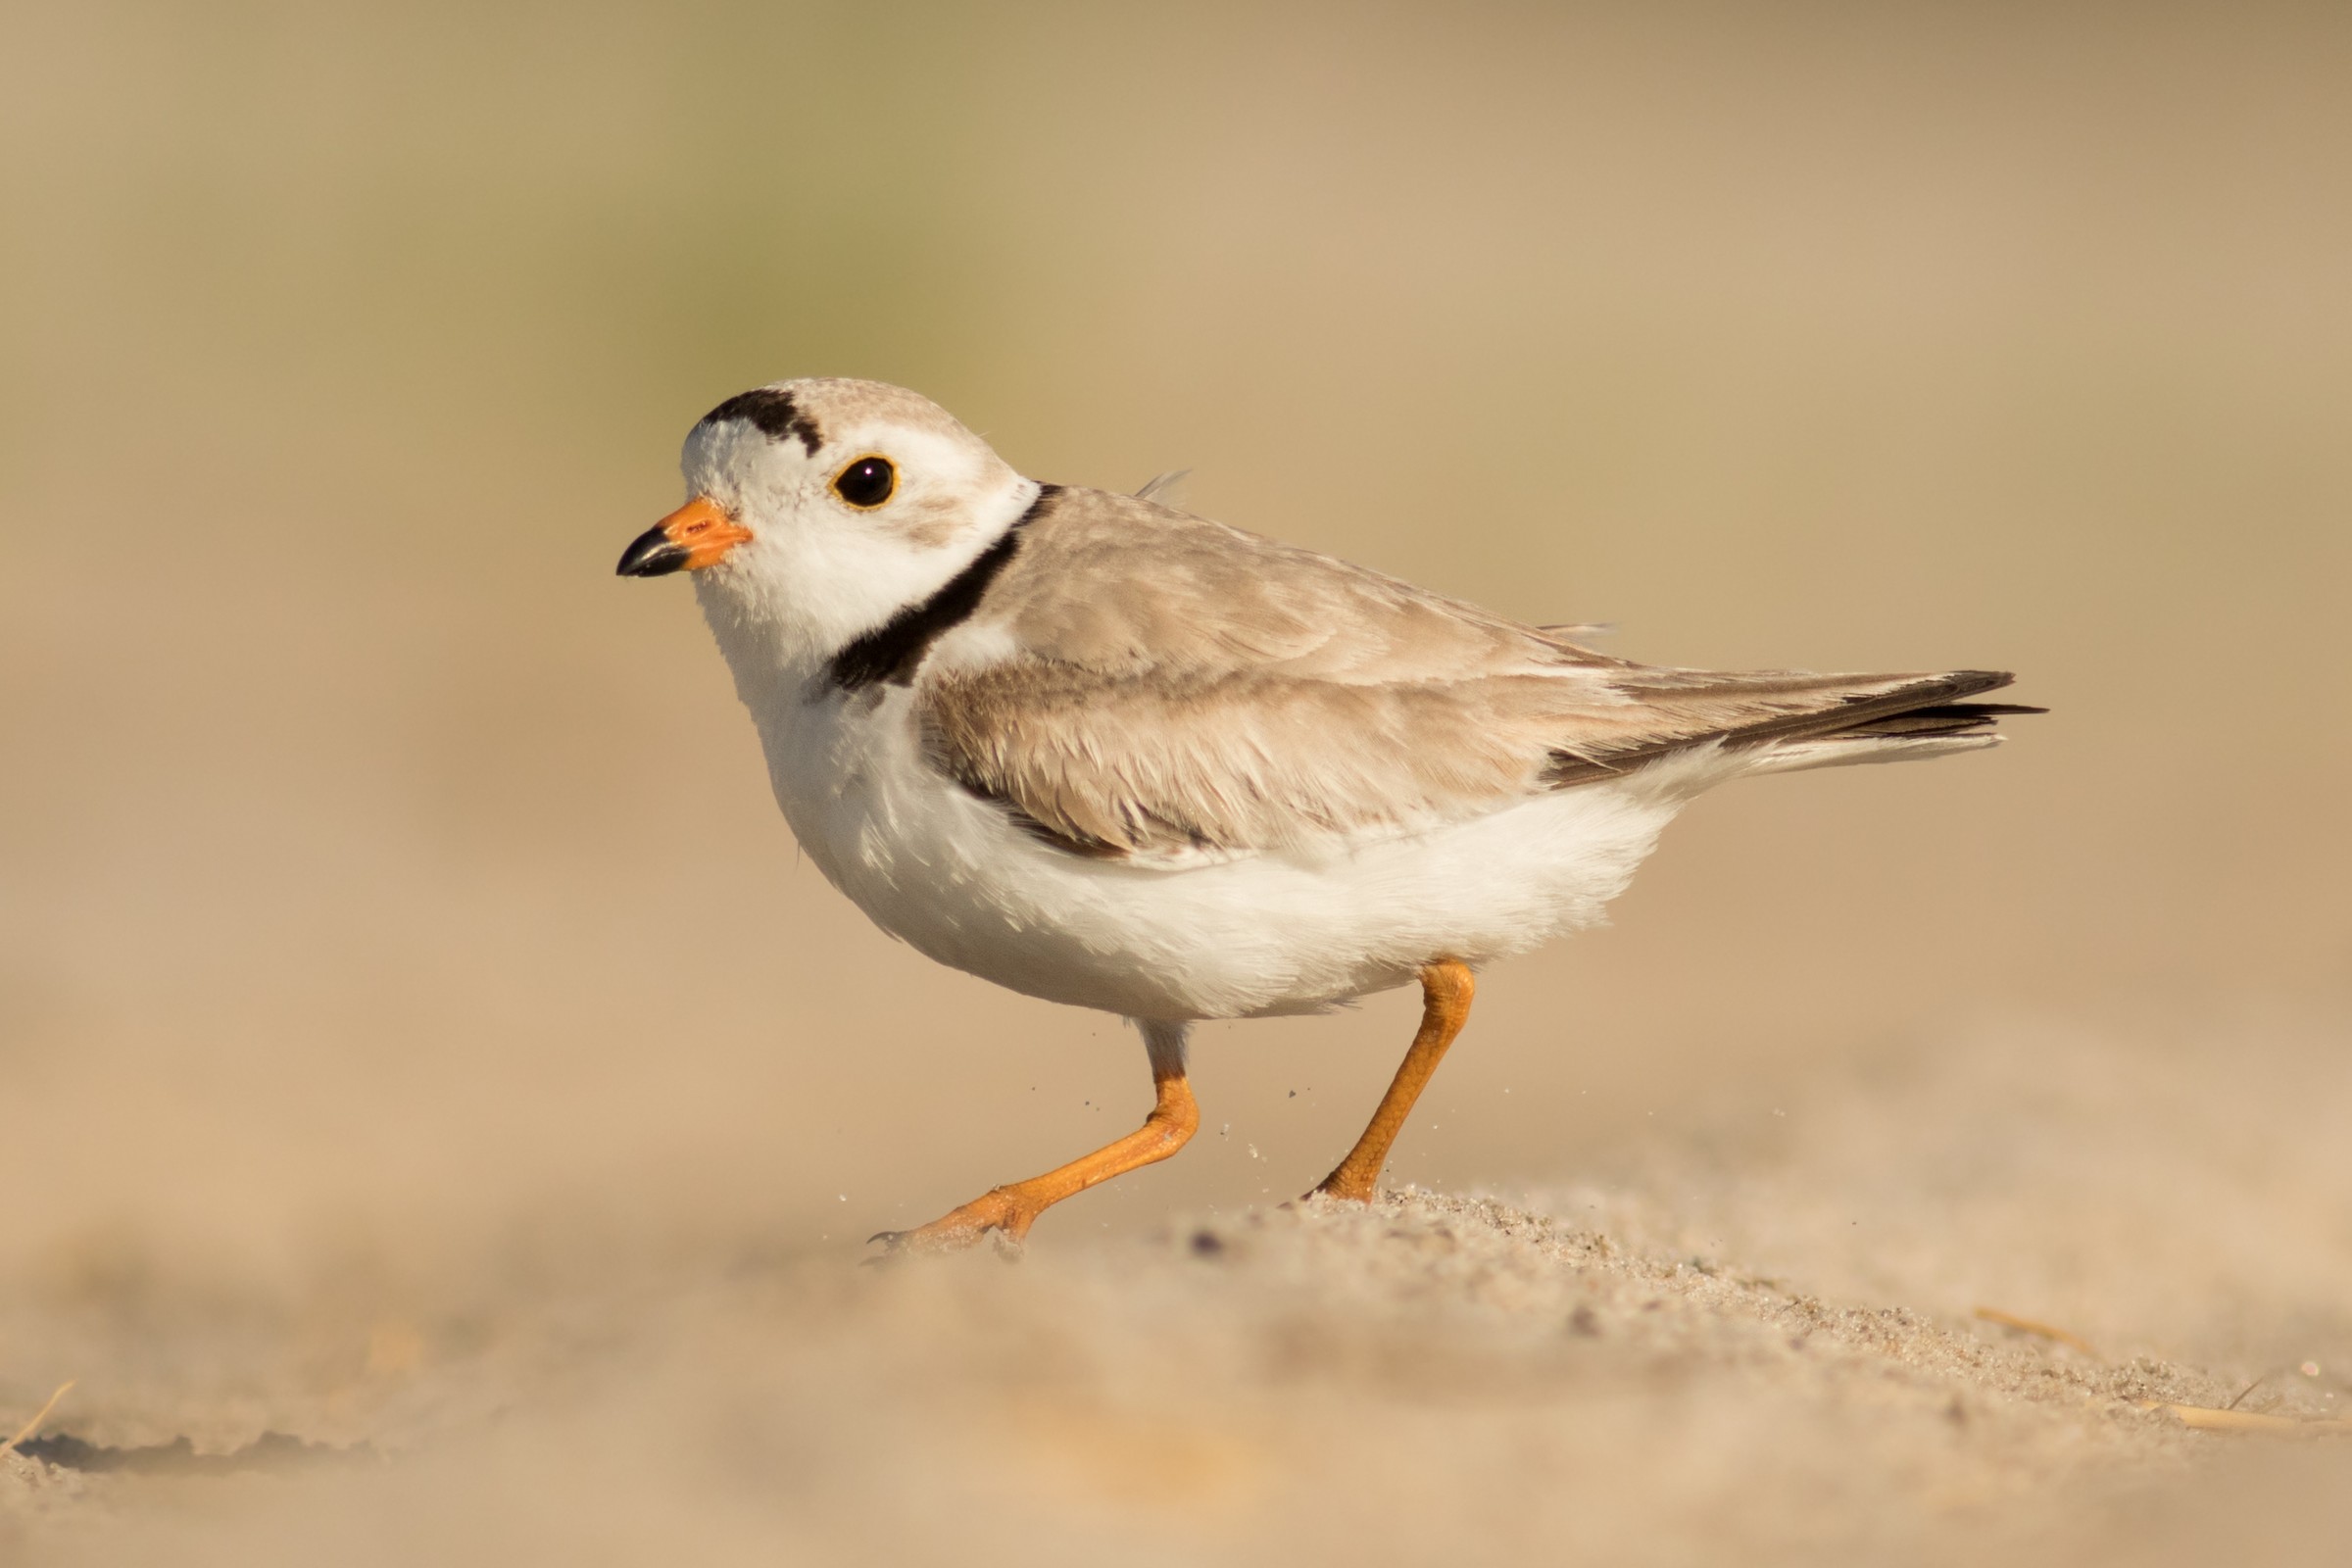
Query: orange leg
{"type": "Point", "coordinates": [1446, 988]}
{"type": "Point", "coordinates": [1010, 1211]}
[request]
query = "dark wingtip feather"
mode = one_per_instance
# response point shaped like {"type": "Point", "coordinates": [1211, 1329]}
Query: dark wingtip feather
{"type": "Point", "coordinates": [1944, 718]}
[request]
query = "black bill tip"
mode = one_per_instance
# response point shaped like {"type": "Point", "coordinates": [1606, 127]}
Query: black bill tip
{"type": "Point", "coordinates": [652, 554]}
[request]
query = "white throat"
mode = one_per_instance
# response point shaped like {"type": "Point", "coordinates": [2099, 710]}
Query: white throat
{"type": "Point", "coordinates": [784, 606]}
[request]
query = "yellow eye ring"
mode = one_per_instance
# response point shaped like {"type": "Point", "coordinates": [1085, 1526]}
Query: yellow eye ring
{"type": "Point", "coordinates": [866, 482]}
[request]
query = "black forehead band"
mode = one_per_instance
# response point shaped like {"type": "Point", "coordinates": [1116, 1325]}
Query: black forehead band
{"type": "Point", "coordinates": [772, 413]}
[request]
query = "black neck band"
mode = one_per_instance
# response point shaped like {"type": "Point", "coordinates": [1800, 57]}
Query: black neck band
{"type": "Point", "coordinates": [892, 651]}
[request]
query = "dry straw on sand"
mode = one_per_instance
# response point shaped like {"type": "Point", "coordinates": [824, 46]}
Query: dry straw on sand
{"type": "Point", "coordinates": [38, 1417]}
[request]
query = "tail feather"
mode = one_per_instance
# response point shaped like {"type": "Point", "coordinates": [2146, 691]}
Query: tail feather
{"type": "Point", "coordinates": [1849, 751]}
{"type": "Point", "coordinates": [1939, 729]}
{"type": "Point", "coordinates": [1770, 714]}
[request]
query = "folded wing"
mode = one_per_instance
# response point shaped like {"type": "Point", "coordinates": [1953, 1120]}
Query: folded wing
{"type": "Point", "coordinates": [1182, 688]}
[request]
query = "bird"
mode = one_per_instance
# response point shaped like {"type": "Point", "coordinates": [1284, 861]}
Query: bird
{"type": "Point", "coordinates": [1107, 753]}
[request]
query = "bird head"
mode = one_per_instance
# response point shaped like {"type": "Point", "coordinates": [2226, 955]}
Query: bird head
{"type": "Point", "coordinates": [817, 508]}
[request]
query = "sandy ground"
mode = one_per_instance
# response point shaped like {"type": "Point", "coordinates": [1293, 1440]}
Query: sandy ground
{"type": "Point", "coordinates": [1756, 1341]}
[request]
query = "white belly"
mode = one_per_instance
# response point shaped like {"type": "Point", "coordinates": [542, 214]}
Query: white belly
{"type": "Point", "coordinates": [949, 874]}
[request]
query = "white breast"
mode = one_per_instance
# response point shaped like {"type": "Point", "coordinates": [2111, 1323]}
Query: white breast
{"type": "Point", "coordinates": [951, 875]}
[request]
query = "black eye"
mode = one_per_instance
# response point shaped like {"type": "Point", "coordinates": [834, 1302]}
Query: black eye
{"type": "Point", "coordinates": [867, 482]}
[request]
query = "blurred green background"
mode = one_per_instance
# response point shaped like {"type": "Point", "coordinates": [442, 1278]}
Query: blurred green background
{"type": "Point", "coordinates": [371, 860]}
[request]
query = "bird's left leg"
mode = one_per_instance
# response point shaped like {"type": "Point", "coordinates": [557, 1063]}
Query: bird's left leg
{"type": "Point", "coordinates": [1011, 1209]}
{"type": "Point", "coordinates": [1445, 989]}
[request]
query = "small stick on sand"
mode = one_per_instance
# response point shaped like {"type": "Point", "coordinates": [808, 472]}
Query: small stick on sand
{"type": "Point", "coordinates": [34, 1425]}
{"type": "Point", "coordinates": [2044, 1331]}
{"type": "Point", "coordinates": [2248, 1422]}
{"type": "Point", "coordinates": [2248, 1388]}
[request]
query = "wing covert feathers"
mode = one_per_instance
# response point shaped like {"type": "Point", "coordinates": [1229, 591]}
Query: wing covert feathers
{"type": "Point", "coordinates": [1180, 686]}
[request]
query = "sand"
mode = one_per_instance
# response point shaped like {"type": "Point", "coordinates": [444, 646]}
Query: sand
{"type": "Point", "coordinates": [1757, 1340]}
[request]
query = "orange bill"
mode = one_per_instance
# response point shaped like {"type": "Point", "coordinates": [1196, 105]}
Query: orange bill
{"type": "Point", "coordinates": [698, 534]}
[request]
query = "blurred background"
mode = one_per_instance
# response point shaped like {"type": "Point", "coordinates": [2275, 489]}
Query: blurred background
{"type": "Point", "coordinates": [374, 866]}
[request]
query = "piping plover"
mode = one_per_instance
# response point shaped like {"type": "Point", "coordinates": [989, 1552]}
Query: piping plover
{"type": "Point", "coordinates": [1105, 753]}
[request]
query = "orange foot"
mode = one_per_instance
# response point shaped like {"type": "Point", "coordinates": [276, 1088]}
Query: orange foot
{"type": "Point", "coordinates": [1006, 1212]}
